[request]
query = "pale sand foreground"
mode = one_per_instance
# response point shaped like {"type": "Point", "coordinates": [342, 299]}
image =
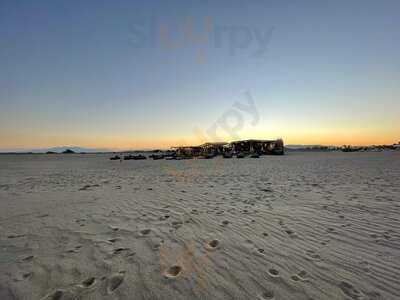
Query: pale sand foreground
{"type": "Point", "coordinates": [302, 226]}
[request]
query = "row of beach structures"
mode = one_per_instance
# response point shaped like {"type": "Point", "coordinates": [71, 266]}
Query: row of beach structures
{"type": "Point", "coordinates": [240, 149]}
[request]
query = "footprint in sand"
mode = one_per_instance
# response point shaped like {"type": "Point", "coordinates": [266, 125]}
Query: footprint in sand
{"type": "Point", "coordinates": [265, 234]}
{"type": "Point", "coordinates": [349, 290]}
{"type": "Point", "coordinates": [225, 223]}
{"type": "Point", "coordinates": [173, 271]}
{"type": "Point", "coordinates": [295, 277]}
{"type": "Point", "coordinates": [212, 245]}
{"type": "Point", "coordinates": [89, 282]}
{"type": "Point", "coordinates": [261, 251]}
{"type": "Point", "coordinates": [302, 274]}
{"type": "Point", "coordinates": [273, 272]}
{"type": "Point", "coordinates": [290, 232]}
{"type": "Point", "coordinates": [115, 281]}
{"type": "Point", "coordinates": [145, 232]}
{"type": "Point", "coordinates": [267, 295]}
{"type": "Point", "coordinates": [27, 275]}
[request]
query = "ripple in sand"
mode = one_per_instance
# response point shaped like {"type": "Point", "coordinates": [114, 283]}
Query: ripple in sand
{"type": "Point", "coordinates": [273, 272]}
{"type": "Point", "coordinates": [267, 295]}
{"type": "Point", "coordinates": [177, 224]}
{"type": "Point", "coordinates": [56, 295]}
{"type": "Point", "coordinates": [28, 258]}
{"type": "Point", "coordinates": [313, 255]}
{"type": "Point", "coordinates": [119, 250]}
{"type": "Point", "coordinates": [14, 236]}
{"type": "Point", "coordinates": [212, 245]}
{"type": "Point", "coordinates": [173, 271]}
{"type": "Point", "coordinates": [115, 281]}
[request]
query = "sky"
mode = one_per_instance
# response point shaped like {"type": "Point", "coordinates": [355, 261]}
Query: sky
{"type": "Point", "coordinates": [155, 74]}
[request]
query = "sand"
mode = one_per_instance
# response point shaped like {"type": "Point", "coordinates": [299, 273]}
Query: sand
{"type": "Point", "coordinates": [299, 226]}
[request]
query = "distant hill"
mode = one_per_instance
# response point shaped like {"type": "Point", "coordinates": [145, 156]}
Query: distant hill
{"type": "Point", "coordinates": [76, 149]}
{"type": "Point", "coordinates": [59, 149]}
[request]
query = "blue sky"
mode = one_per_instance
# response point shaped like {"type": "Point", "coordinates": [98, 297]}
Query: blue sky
{"type": "Point", "coordinates": [103, 74]}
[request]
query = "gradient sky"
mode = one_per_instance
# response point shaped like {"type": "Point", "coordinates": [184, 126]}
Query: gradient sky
{"type": "Point", "coordinates": [119, 74]}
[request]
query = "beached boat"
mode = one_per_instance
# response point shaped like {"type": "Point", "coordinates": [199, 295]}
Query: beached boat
{"type": "Point", "coordinates": [134, 157]}
{"type": "Point", "coordinates": [255, 155]}
{"type": "Point", "coordinates": [240, 155]}
{"type": "Point", "coordinates": [227, 155]}
{"type": "Point", "coordinates": [157, 156]}
{"type": "Point", "coordinates": [116, 157]}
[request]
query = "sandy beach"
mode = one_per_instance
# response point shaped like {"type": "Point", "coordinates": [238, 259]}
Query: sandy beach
{"type": "Point", "coordinates": [299, 226]}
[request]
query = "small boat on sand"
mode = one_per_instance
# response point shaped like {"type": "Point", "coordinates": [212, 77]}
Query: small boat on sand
{"type": "Point", "coordinates": [240, 155]}
{"type": "Point", "coordinates": [116, 157]}
{"type": "Point", "coordinates": [134, 157]}
{"type": "Point", "coordinates": [170, 158]}
{"type": "Point", "coordinates": [227, 155]}
{"type": "Point", "coordinates": [255, 155]}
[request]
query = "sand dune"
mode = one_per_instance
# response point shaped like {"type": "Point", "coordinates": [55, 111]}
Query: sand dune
{"type": "Point", "coordinates": [300, 226]}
